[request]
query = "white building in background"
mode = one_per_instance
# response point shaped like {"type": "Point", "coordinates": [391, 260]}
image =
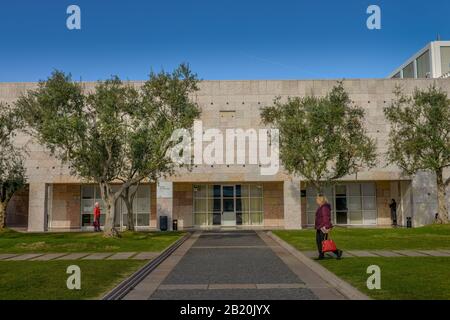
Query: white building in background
{"type": "Point", "coordinates": [433, 62]}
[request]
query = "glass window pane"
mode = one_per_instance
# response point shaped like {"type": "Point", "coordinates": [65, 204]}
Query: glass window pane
{"type": "Point", "coordinates": [228, 205]}
{"type": "Point", "coordinates": [341, 217]}
{"type": "Point", "coordinates": [311, 204]}
{"type": "Point", "coordinates": [356, 217]}
{"type": "Point", "coordinates": [143, 192]}
{"type": "Point", "coordinates": [354, 189]}
{"type": "Point", "coordinates": [311, 216]}
{"type": "Point", "coordinates": [87, 192]}
{"type": "Point", "coordinates": [256, 204]}
{"type": "Point", "coordinates": [200, 205]}
{"type": "Point", "coordinates": [87, 206]}
{"type": "Point", "coordinates": [310, 191]}
{"type": "Point", "coordinates": [200, 190]}
{"type": "Point", "coordinates": [216, 205]}
{"type": "Point", "coordinates": [200, 219]}
{"type": "Point", "coordinates": [445, 60]}
{"type": "Point", "coordinates": [341, 204]}
{"type": "Point", "coordinates": [210, 205]}
{"type": "Point", "coordinates": [245, 218]}
{"type": "Point", "coordinates": [228, 191]}
{"type": "Point", "coordinates": [238, 204]}
{"type": "Point", "coordinates": [341, 190]}
{"type": "Point", "coordinates": [245, 204]}
{"type": "Point", "coordinates": [143, 205]}
{"type": "Point", "coordinates": [423, 65]}
{"type": "Point", "coordinates": [370, 217]}
{"type": "Point", "coordinates": [354, 203]}
{"type": "Point", "coordinates": [216, 191]}
{"type": "Point", "coordinates": [87, 219]}
{"type": "Point", "coordinates": [408, 71]}
{"type": "Point", "coordinates": [255, 190]}
{"type": "Point", "coordinates": [238, 190]}
{"type": "Point", "coordinates": [245, 190]}
{"type": "Point", "coordinates": [143, 220]}
{"type": "Point", "coordinates": [369, 203]}
{"type": "Point", "coordinates": [368, 189]}
{"type": "Point", "coordinates": [256, 218]}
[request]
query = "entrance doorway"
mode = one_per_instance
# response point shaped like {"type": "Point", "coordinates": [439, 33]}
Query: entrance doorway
{"type": "Point", "coordinates": [228, 205]}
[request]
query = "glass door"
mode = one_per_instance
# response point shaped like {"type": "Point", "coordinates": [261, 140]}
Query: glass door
{"type": "Point", "coordinates": [228, 206]}
{"type": "Point", "coordinates": [341, 204]}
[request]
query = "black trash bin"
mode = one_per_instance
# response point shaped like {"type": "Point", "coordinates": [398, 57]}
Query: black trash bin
{"type": "Point", "coordinates": [175, 225]}
{"type": "Point", "coordinates": [163, 223]}
{"type": "Point", "coordinates": [408, 222]}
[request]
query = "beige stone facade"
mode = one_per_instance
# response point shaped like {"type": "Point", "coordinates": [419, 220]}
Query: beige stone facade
{"type": "Point", "coordinates": [53, 198]}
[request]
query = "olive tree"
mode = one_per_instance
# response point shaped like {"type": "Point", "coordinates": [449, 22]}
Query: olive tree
{"type": "Point", "coordinates": [12, 171]}
{"type": "Point", "coordinates": [322, 139]}
{"type": "Point", "coordinates": [419, 139]}
{"type": "Point", "coordinates": [115, 133]}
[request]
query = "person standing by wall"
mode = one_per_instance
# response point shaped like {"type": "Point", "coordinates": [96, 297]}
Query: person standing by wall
{"type": "Point", "coordinates": [323, 225]}
{"type": "Point", "coordinates": [97, 218]}
{"type": "Point", "coordinates": [393, 207]}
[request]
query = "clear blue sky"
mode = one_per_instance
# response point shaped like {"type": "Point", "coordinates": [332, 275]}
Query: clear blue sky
{"type": "Point", "coordinates": [227, 39]}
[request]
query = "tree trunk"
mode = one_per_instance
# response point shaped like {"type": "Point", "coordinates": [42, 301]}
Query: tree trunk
{"type": "Point", "coordinates": [3, 214]}
{"type": "Point", "coordinates": [130, 215]}
{"type": "Point", "coordinates": [442, 201]}
{"type": "Point", "coordinates": [110, 203]}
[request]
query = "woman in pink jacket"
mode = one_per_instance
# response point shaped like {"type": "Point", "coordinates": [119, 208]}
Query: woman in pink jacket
{"type": "Point", "coordinates": [323, 225]}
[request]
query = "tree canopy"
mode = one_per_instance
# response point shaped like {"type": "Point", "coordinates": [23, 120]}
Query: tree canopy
{"type": "Point", "coordinates": [117, 132]}
{"type": "Point", "coordinates": [322, 139]}
{"type": "Point", "coordinates": [419, 139]}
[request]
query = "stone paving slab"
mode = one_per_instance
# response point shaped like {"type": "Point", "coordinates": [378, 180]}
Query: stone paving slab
{"type": "Point", "coordinates": [49, 256]}
{"type": "Point", "coordinates": [235, 294]}
{"type": "Point", "coordinates": [121, 256]}
{"type": "Point", "coordinates": [97, 256]}
{"type": "Point", "coordinates": [145, 255]}
{"type": "Point", "coordinates": [435, 253]}
{"type": "Point", "coordinates": [410, 253]}
{"type": "Point", "coordinates": [362, 253]}
{"type": "Point", "coordinates": [73, 256]}
{"type": "Point", "coordinates": [386, 253]}
{"type": "Point", "coordinates": [4, 256]}
{"type": "Point", "coordinates": [24, 257]}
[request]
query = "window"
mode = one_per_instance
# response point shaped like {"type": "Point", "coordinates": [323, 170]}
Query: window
{"type": "Point", "coordinates": [351, 204]}
{"type": "Point", "coordinates": [408, 71]}
{"type": "Point", "coordinates": [141, 207]}
{"type": "Point", "coordinates": [211, 200]}
{"type": "Point", "coordinates": [423, 65]}
{"type": "Point", "coordinates": [445, 60]}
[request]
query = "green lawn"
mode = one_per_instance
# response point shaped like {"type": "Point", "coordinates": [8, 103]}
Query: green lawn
{"type": "Point", "coordinates": [429, 237]}
{"type": "Point", "coordinates": [402, 278]}
{"type": "Point", "coordinates": [424, 278]}
{"type": "Point", "coordinates": [16, 242]}
{"type": "Point", "coordinates": [23, 280]}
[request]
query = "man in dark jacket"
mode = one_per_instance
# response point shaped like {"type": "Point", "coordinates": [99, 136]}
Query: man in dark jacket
{"type": "Point", "coordinates": [323, 225]}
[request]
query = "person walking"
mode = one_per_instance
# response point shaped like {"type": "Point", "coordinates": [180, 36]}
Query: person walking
{"type": "Point", "coordinates": [323, 225]}
{"type": "Point", "coordinates": [97, 218]}
{"type": "Point", "coordinates": [393, 207]}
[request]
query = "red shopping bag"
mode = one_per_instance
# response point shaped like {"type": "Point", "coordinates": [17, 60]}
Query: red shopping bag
{"type": "Point", "coordinates": [328, 245]}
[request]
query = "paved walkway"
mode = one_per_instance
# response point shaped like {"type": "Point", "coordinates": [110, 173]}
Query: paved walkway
{"type": "Point", "coordinates": [386, 253]}
{"type": "Point", "coordinates": [233, 265]}
{"type": "Point", "coordinates": [78, 256]}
